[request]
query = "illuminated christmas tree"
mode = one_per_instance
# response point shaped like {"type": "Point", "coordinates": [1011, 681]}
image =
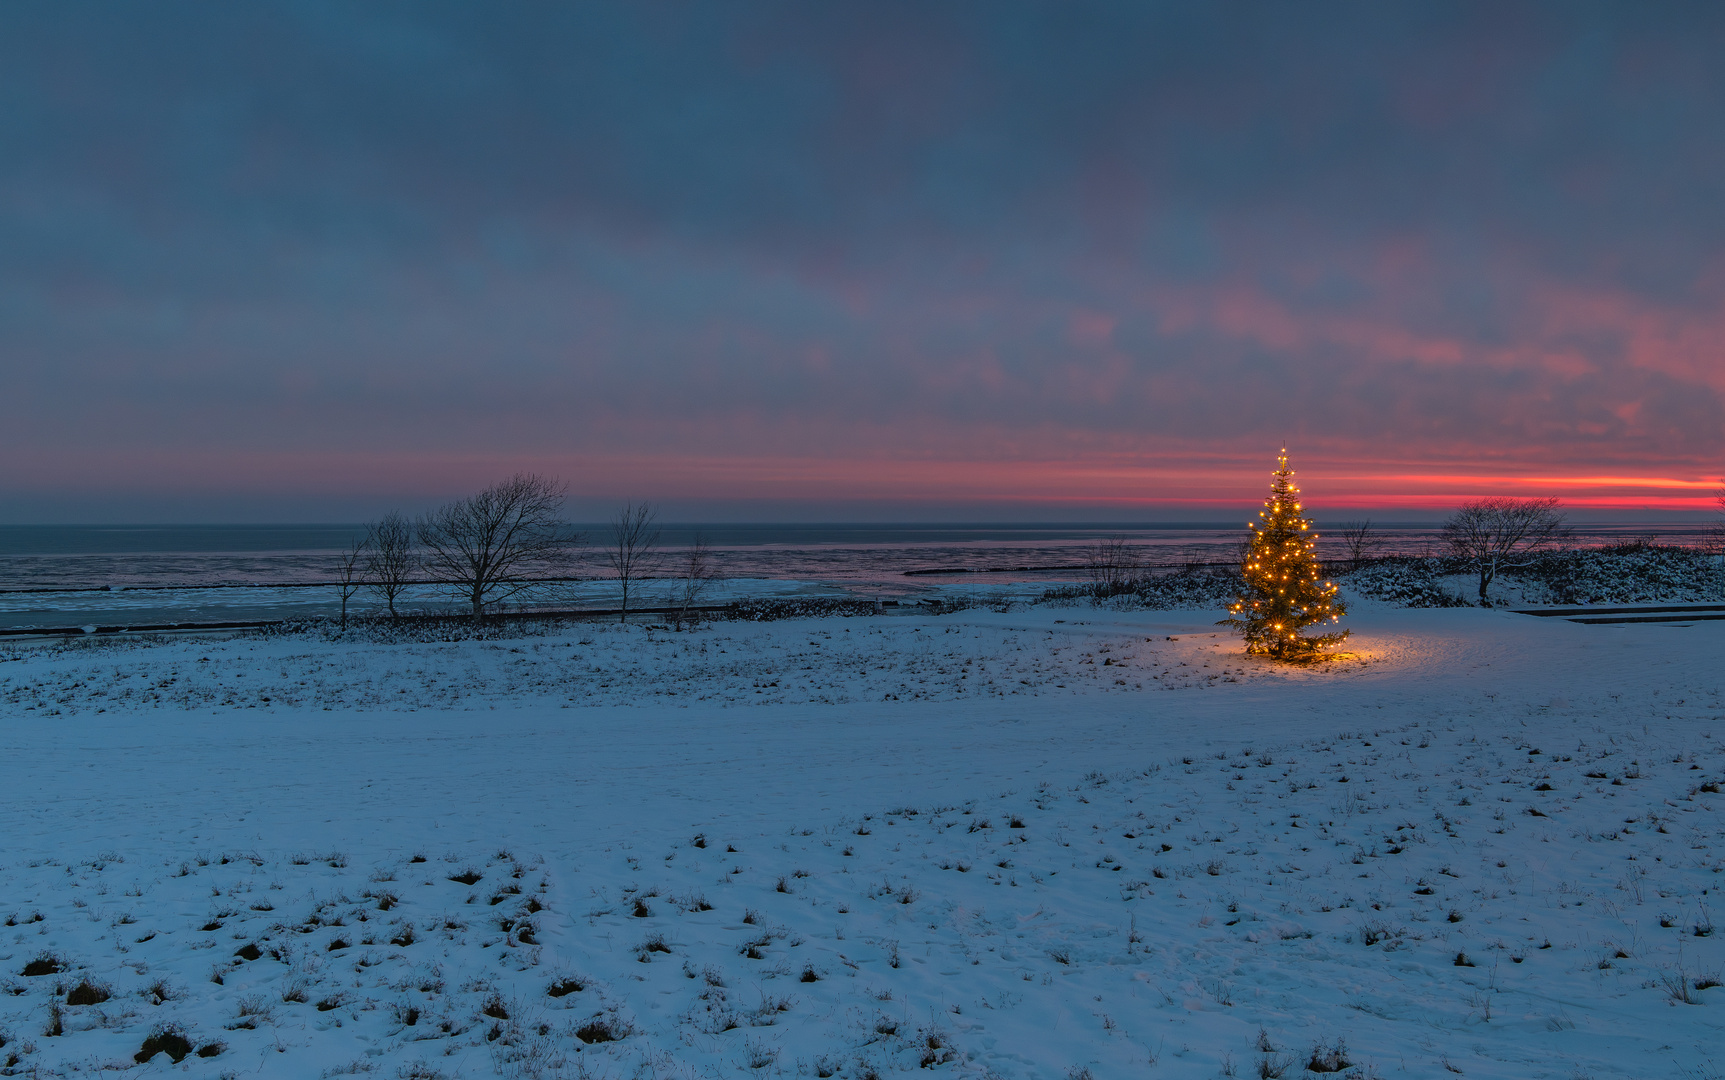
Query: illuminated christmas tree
{"type": "Point", "coordinates": [1285, 591]}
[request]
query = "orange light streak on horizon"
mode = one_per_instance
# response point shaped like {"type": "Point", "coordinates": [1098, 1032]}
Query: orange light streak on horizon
{"type": "Point", "coordinates": [1572, 481]}
{"type": "Point", "coordinates": [1368, 502]}
{"type": "Point", "coordinates": [1195, 480]}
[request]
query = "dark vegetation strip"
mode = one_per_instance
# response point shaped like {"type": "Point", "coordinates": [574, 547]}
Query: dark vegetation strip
{"type": "Point", "coordinates": [1566, 612]}
{"type": "Point", "coordinates": [742, 610]}
{"type": "Point", "coordinates": [1651, 619]}
{"type": "Point", "coordinates": [246, 585]}
{"type": "Point", "coordinates": [943, 570]}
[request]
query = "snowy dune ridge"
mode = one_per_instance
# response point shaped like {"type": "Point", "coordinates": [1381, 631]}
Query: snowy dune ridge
{"type": "Point", "coordinates": [1058, 843]}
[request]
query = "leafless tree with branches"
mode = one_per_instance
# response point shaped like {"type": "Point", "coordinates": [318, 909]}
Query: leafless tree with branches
{"type": "Point", "coordinates": [486, 546]}
{"type": "Point", "coordinates": [1358, 541]}
{"type": "Point", "coordinates": [633, 551]}
{"type": "Point", "coordinates": [1716, 535]}
{"type": "Point", "coordinates": [350, 573]}
{"type": "Point", "coordinates": [696, 573]}
{"type": "Point", "coordinates": [390, 558]}
{"type": "Point", "coordinates": [1109, 563]}
{"type": "Point", "coordinates": [1491, 532]}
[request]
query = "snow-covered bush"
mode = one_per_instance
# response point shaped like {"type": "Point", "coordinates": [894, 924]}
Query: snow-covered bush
{"type": "Point", "coordinates": [947, 605]}
{"type": "Point", "coordinates": [412, 630]}
{"type": "Point", "coordinates": [1410, 582]}
{"type": "Point", "coordinates": [1631, 574]}
{"type": "Point", "coordinates": [1180, 591]}
{"type": "Point", "coordinates": [804, 608]}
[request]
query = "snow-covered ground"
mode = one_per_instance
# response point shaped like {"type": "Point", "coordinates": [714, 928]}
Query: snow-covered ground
{"type": "Point", "coordinates": [1057, 843]}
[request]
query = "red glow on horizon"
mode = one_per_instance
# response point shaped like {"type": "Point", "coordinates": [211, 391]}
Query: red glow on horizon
{"type": "Point", "coordinates": [1224, 483]}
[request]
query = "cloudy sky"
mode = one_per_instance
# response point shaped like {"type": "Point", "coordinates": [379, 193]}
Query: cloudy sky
{"type": "Point", "coordinates": [839, 261]}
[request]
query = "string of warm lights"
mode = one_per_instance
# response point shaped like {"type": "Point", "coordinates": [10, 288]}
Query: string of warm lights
{"type": "Point", "coordinates": [1284, 592]}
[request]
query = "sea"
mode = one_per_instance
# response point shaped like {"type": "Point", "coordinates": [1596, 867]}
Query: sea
{"type": "Point", "coordinates": [110, 576]}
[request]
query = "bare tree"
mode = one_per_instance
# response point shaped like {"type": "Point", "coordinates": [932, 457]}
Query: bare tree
{"type": "Point", "coordinates": [696, 573]}
{"type": "Point", "coordinates": [486, 545]}
{"type": "Point", "coordinates": [633, 552]}
{"type": "Point", "coordinates": [350, 571]}
{"type": "Point", "coordinates": [1358, 541]}
{"type": "Point", "coordinates": [1716, 535]}
{"type": "Point", "coordinates": [1491, 532]}
{"type": "Point", "coordinates": [1109, 564]}
{"type": "Point", "coordinates": [389, 563]}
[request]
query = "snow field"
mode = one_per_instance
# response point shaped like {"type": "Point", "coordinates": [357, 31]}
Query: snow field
{"type": "Point", "coordinates": [833, 661]}
{"type": "Point", "coordinates": [1490, 850]}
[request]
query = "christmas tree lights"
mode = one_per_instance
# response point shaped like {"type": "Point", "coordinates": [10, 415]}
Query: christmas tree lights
{"type": "Point", "coordinates": [1284, 592]}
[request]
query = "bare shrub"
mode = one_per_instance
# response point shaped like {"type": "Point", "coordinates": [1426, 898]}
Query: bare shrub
{"type": "Point", "coordinates": [1677, 987]}
{"type": "Point", "coordinates": [695, 574]}
{"type": "Point", "coordinates": [759, 1055]}
{"type": "Point", "coordinates": [1358, 542]}
{"type": "Point", "coordinates": [654, 943]}
{"type": "Point", "coordinates": [1110, 563]}
{"type": "Point", "coordinates": [250, 1011]}
{"type": "Point", "coordinates": [1716, 531]}
{"type": "Point", "coordinates": [350, 573]}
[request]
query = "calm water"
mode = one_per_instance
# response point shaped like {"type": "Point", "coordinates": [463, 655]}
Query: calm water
{"type": "Point", "coordinates": [77, 575]}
